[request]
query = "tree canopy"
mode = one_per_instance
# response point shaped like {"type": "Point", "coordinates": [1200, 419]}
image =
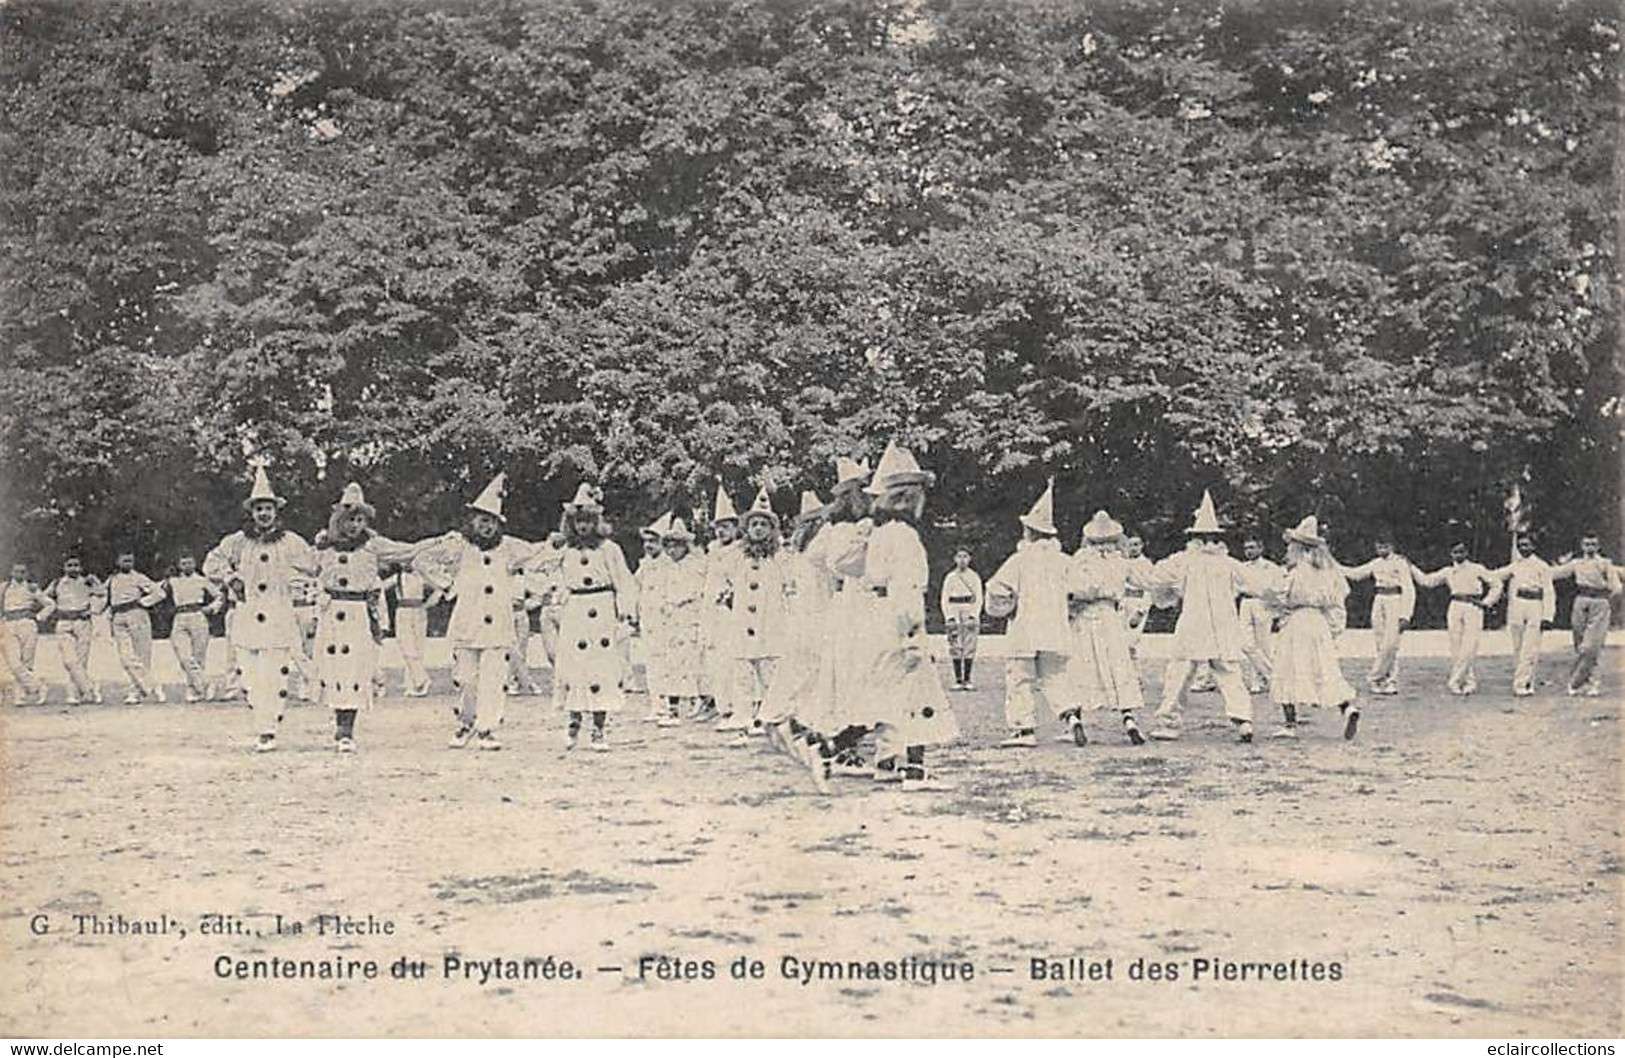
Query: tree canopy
{"type": "Point", "coordinates": [1351, 257]}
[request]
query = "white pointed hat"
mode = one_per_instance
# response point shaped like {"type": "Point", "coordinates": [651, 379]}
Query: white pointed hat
{"type": "Point", "coordinates": [353, 497]}
{"type": "Point", "coordinates": [1101, 528]}
{"type": "Point", "coordinates": [898, 466]}
{"type": "Point", "coordinates": [1041, 519]}
{"type": "Point", "coordinates": [723, 509]}
{"type": "Point", "coordinates": [1306, 532]}
{"type": "Point", "coordinates": [762, 507]}
{"type": "Point", "coordinates": [850, 473]}
{"type": "Point", "coordinates": [811, 505]}
{"type": "Point", "coordinates": [262, 490]}
{"type": "Point", "coordinates": [657, 528]}
{"type": "Point", "coordinates": [490, 501]}
{"type": "Point", "coordinates": [675, 529]}
{"type": "Point", "coordinates": [1207, 518]}
{"type": "Point", "coordinates": [587, 498]}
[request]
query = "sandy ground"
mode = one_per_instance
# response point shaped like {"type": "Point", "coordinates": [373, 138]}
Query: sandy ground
{"type": "Point", "coordinates": [1461, 861]}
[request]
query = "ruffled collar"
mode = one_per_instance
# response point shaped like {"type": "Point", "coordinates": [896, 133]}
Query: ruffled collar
{"type": "Point", "coordinates": [483, 545]}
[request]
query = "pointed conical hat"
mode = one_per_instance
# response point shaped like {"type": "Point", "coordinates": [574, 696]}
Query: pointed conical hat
{"type": "Point", "coordinates": [1207, 517]}
{"type": "Point", "coordinates": [762, 507]}
{"type": "Point", "coordinates": [587, 498]}
{"type": "Point", "coordinates": [723, 509]}
{"type": "Point", "coordinates": [657, 528]}
{"type": "Point", "coordinates": [676, 529]}
{"type": "Point", "coordinates": [490, 501]}
{"type": "Point", "coordinates": [1041, 519]}
{"type": "Point", "coordinates": [849, 473]}
{"type": "Point", "coordinates": [1306, 532]}
{"type": "Point", "coordinates": [1101, 528]}
{"type": "Point", "coordinates": [898, 467]}
{"type": "Point", "coordinates": [262, 490]}
{"type": "Point", "coordinates": [811, 505]}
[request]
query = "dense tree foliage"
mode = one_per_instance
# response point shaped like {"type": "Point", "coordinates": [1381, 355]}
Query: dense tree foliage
{"type": "Point", "coordinates": [1346, 256]}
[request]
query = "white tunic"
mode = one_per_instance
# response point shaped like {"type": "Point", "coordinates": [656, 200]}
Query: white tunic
{"type": "Point", "coordinates": [483, 582]}
{"type": "Point", "coordinates": [265, 569]}
{"type": "Point", "coordinates": [1102, 668]}
{"type": "Point", "coordinates": [1036, 577]}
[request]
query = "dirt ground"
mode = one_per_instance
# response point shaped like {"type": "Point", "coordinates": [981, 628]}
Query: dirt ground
{"type": "Point", "coordinates": [1460, 861]}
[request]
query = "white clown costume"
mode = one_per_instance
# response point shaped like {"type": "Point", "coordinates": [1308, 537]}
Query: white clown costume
{"type": "Point", "coordinates": [600, 599]}
{"type": "Point", "coordinates": [260, 568]}
{"type": "Point", "coordinates": [480, 575]}
{"type": "Point", "coordinates": [1313, 594]}
{"type": "Point", "coordinates": [1103, 670]}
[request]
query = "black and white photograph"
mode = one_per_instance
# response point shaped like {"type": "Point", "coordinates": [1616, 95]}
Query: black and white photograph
{"type": "Point", "coordinates": [811, 519]}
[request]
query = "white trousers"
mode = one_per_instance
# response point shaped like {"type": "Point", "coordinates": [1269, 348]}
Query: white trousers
{"type": "Point", "coordinates": [1238, 704]}
{"type": "Point", "coordinates": [1466, 623]}
{"type": "Point", "coordinates": [265, 680]}
{"type": "Point", "coordinates": [1523, 625]}
{"type": "Point", "coordinates": [482, 673]}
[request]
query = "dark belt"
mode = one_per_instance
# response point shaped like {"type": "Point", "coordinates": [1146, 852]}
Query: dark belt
{"type": "Point", "coordinates": [352, 596]}
{"type": "Point", "coordinates": [12, 615]}
{"type": "Point", "coordinates": [73, 615]}
{"type": "Point", "coordinates": [1592, 593]}
{"type": "Point", "coordinates": [960, 600]}
{"type": "Point", "coordinates": [125, 607]}
{"type": "Point", "coordinates": [410, 604]}
{"type": "Point", "coordinates": [592, 591]}
{"type": "Point", "coordinates": [879, 590]}
{"type": "Point", "coordinates": [1133, 593]}
{"type": "Point", "coordinates": [1245, 596]}
{"type": "Point", "coordinates": [1389, 590]}
{"type": "Point", "coordinates": [188, 607]}
{"type": "Point", "coordinates": [1473, 600]}
{"type": "Point", "coordinates": [1530, 593]}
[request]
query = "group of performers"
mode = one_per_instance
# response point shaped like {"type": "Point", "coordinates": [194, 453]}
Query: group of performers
{"type": "Point", "coordinates": [809, 635]}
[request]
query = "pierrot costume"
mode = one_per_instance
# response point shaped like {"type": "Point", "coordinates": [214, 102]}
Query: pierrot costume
{"type": "Point", "coordinates": [906, 695]}
{"type": "Point", "coordinates": [1032, 585]}
{"type": "Point", "coordinates": [261, 569]}
{"type": "Point", "coordinates": [756, 587]}
{"type": "Point", "coordinates": [1103, 671]}
{"type": "Point", "coordinates": [479, 574]}
{"type": "Point", "coordinates": [671, 618]}
{"type": "Point", "coordinates": [350, 577]}
{"type": "Point", "coordinates": [600, 599]}
{"type": "Point", "coordinates": [1204, 581]}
